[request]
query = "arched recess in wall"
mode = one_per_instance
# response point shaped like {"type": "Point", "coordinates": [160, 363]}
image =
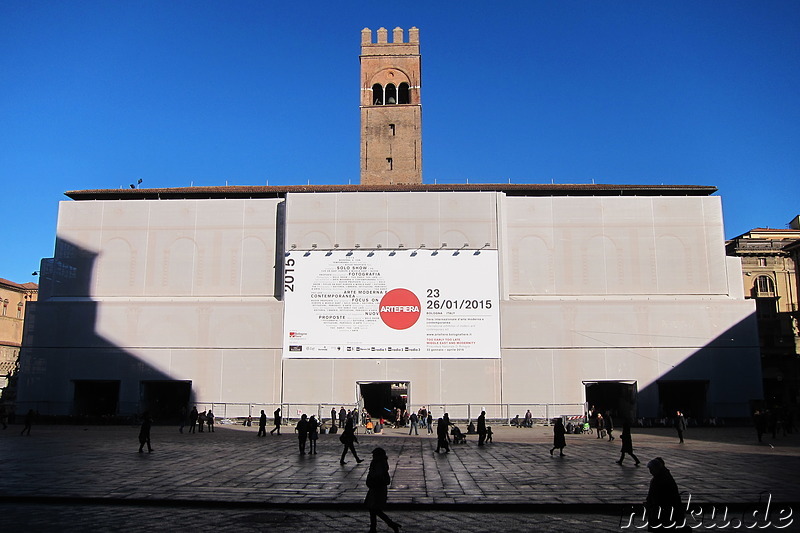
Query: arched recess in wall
{"type": "Point", "coordinates": [403, 94]}
{"type": "Point", "coordinates": [391, 94]}
{"type": "Point", "coordinates": [600, 252]}
{"type": "Point", "coordinates": [179, 267]}
{"type": "Point", "coordinates": [321, 239]}
{"type": "Point", "coordinates": [673, 270]}
{"type": "Point", "coordinates": [258, 267]}
{"type": "Point", "coordinates": [531, 267]}
{"type": "Point", "coordinates": [115, 270]}
{"type": "Point", "coordinates": [386, 238]}
{"type": "Point", "coordinates": [377, 94]}
{"type": "Point", "coordinates": [457, 239]}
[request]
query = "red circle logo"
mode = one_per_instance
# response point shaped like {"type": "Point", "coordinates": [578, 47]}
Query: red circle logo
{"type": "Point", "coordinates": [399, 309]}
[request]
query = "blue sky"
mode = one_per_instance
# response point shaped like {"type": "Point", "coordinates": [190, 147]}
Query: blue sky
{"type": "Point", "coordinates": [100, 94]}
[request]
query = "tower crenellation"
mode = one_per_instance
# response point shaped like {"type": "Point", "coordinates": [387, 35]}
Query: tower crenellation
{"type": "Point", "coordinates": [398, 36]}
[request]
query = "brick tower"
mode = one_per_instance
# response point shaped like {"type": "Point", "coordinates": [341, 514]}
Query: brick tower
{"type": "Point", "coordinates": [391, 112]}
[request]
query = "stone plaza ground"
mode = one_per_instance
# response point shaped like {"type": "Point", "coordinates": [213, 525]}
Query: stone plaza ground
{"type": "Point", "coordinates": [91, 478]}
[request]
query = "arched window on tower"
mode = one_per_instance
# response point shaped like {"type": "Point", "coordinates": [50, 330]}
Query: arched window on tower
{"type": "Point", "coordinates": [377, 94]}
{"type": "Point", "coordinates": [391, 94]}
{"type": "Point", "coordinates": [402, 94]}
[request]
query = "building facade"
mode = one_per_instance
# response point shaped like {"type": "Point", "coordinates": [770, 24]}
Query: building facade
{"type": "Point", "coordinates": [14, 299]}
{"type": "Point", "coordinates": [769, 273]}
{"type": "Point", "coordinates": [393, 293]}
{"type": "Point", "coordinates": [619, 296]}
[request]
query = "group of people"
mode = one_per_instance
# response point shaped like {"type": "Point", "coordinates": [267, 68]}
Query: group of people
{"type": "Point", "coordinates": [527, 422]}
{"type": "Point", "coordinates": [277, 420]}
{"type": "Point", "coordinates": [773, 420]}
{"type": "Point", "coordinates": [197, 421]}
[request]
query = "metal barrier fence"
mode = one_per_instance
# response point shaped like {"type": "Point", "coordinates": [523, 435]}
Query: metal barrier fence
{"type": "Point", "coordinates": [461, 412]}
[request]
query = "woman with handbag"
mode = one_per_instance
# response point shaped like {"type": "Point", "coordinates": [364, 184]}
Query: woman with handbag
{"type": "Point", "coordinates": [378, 482]}
{"type": "Point", "coordinates": [348, 438]}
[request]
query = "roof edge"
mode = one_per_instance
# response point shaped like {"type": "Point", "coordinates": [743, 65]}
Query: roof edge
{"type": "Point", "coordinates": [268, 191]}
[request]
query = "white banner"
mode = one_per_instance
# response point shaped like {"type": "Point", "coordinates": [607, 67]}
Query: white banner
{"type": "Point", "coordinates": [391, 304]}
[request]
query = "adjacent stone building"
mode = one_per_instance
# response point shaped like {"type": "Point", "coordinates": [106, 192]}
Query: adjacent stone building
{"type": "Point", "coordinates": [769, 269]}
{"type": "Point", "coordinates": [14, 298]}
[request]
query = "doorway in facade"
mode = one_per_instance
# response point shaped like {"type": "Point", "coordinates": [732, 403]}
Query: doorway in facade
{"type": "Point", "coordinates": [94, 397]}
{"type": "Point", "coordinates": [381, 398]}
{"type": "Point", "coordinates": [688, 397]}
{"type": "Point", "coordinates": [616, 397]}
{"type": "Point", "coordinates": [165, 399]}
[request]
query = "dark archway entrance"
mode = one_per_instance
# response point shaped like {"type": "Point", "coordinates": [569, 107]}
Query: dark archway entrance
{"type": "Point", "coordinates": [380, 398]}
{"type": "Point", "coordinates": [616, 397]}
{"type": "Point", "coordinates": [165, 399]}
{"type": "Point", "coordinates": [96, 397]}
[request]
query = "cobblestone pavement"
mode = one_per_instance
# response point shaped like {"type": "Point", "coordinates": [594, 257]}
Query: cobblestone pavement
{"type": "Point", "coordinates": [91, 478]}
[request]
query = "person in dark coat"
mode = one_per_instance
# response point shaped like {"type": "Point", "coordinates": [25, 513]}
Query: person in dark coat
{"type": "Point", "coordinates": [342, 417]}
{"type": "Point", "coordinates": [262, 424]}
{"type": "Point", "coordinates": [559, 440]}
{"type": "Point", "coordinates": [193, 420]}
{"type": "Point", "coordinates": [378, 481]}
{"type": "Point", "coordinates": [414, 424]}
{"type": "Point", "coordinates": [313, 435]}
{"type": "Point", "coordinates": [276, 419]}
{"type": "Point", "coordinates": [302, 433]}
{"type": "Point", "coordinates": [609, 425]}
{"type": "Point", "coordinates": [627, 444]}
{"type": "Point", "coordinates": [663, 504]}
{"type": "Point", "coordinates": [144, 432]}
{"type": "Point", "coordinates": [348, 438]}
{"type": "Point", "coordinates": [482, 428]}
{"type": "Point", "coordinates": [28, 422]}
{"type": "Point", "coordinates": [680, 425]}
{"type": "Point", "coordinates": [761, 424]}
{"type": "Point", "coordinates": [441, 434]}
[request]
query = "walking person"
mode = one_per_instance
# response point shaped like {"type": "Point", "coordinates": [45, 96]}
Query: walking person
{"type": "Point", "coordinates": [663, 504]}
{"type": "Point", "coordinates": [414, 424]}
{"type": "Point", "coordinates": [429, 423]}
{"type": "Point", "coordinates": [193, 420]}
{"type": "Point", "coordinates": [333, 417]}
{"type": "Point", "coordinates": [342, 417]}
{"type": "Point", "coordinates": [262, 424]}
{"type": "Point", "coordinates": [680, 425]}
{"type": "Point", "coordinates": [28, 422]}
{"type": "Point", "coordinates": [302, 433]}
{"type": "Point", "coordinates": [627, 444]}
{"type": "Point", "coordinates": [482, 428]}
{"type": "Point", "coordinates": [378, 481]}
{"type": "Point", "coordinates": [276, 419]}
{"type": "Point", "coordinates": [609, 424]}
{"type": "Point", "coordinates": [313, 435]}
{"type": "Point", "coordinates": [348, 438]}
{"type": "Point", "coordinates": [201, 420]}
{"type": "Point", "coordinates": [144, 432]}
{"type": "Point", "coordinates": [559, 440]}
{"type": "Point", "coordinates": [600, 425]}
